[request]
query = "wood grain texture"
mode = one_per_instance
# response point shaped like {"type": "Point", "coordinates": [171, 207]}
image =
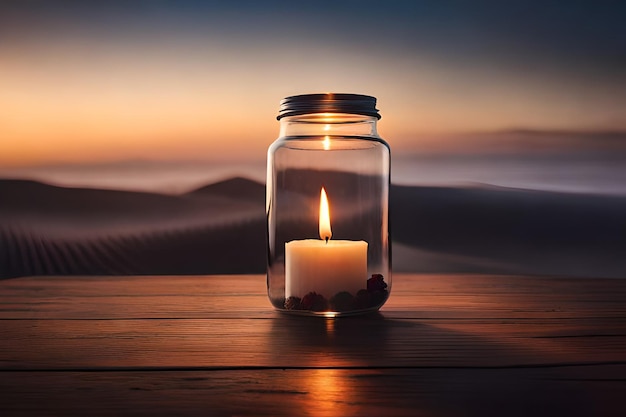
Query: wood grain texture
{"type": "Point", "coordinates": [212, 345]}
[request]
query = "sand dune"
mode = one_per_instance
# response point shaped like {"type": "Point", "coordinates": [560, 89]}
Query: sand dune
{"type": "Point", "coordinates": [54, 230]}
{"type": "Point", "coordinates": [220, 228]}
{"type": "Point", "coordinates": [517, 231]}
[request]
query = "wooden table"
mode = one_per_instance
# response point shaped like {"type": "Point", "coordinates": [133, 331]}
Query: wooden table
{"type": "Point", "coordinates": [443, 345]}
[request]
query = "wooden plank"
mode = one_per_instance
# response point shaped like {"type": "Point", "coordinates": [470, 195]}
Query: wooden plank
{"type": "Point", "coordinates": [304, 342]}
{"type": "Point", "coordinates": [413, 296]}
{"type": "Point", "coordinates": [442, 345]}
{"type": "Point", "coordinates": [227, 321]}
{"type": "Point", "coordinates": [565, 391]}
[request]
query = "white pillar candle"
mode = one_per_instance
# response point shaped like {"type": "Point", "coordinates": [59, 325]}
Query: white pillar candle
{"type": "Point", "coordinates": [325, 266]}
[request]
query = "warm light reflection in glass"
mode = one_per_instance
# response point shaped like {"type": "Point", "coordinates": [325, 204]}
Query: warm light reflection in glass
{"type": "Point", "coordinates": [326, 118]}
{"type": "Point", "coordinates": [326, 143]}
{"type": "Point", "coordinates": [330, 324]}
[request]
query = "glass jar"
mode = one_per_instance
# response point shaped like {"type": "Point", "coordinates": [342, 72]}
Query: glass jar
{"type": "Point", "coordinates": [327, 207]}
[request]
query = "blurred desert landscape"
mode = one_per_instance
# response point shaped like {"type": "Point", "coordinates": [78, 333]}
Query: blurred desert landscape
{"type": "Point", "coordinates": [220, 229]}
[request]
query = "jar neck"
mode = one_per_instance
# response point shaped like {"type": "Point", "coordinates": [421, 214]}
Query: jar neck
{"type": "Point", "coordinates": [329, 124]}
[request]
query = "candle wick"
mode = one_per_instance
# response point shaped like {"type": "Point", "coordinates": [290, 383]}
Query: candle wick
{"type": "Point", "coordinates": [326, 239]}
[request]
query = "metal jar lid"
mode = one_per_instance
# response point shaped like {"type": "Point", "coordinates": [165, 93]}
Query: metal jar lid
{"type": "Point", "coordinates": [328, 103]}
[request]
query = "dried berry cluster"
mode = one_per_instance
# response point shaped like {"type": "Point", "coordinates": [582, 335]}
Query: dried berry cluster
{"type": "Point", "coordinates": [375, 294]}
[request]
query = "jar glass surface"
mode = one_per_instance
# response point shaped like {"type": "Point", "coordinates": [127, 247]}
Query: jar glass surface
{"type": "Point", "coordinates": [345, 267]}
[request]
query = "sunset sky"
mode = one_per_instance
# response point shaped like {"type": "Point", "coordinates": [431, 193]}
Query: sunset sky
{"type": "Point", "coordinates": [184, 80]}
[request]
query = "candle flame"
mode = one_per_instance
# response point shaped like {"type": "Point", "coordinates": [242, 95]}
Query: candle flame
{"type": "Point", "coordinates": [325, 232]}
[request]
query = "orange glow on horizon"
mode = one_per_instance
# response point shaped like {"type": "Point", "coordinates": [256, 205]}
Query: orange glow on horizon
{"type": "Point", "coordinates": [45, 126]}
{"type": "Point", "coordinates": [79, 100]}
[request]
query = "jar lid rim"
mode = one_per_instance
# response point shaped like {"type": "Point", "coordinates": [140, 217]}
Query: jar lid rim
{"type": "Point", "coordinates": [328, 103]}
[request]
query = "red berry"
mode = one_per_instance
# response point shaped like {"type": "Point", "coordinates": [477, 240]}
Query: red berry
{"type": "Point", "coordinates": [343, 301]}
{"type": "Point", "coordinates": [292, 303]}
{"type": "Point", "coordinates": [376, 283]}
{"type": "Point", "coordinates": [314, 302]}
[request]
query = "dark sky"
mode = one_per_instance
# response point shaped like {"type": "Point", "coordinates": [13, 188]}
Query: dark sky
{"type": "Point", "coordinates": [584, 33]}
